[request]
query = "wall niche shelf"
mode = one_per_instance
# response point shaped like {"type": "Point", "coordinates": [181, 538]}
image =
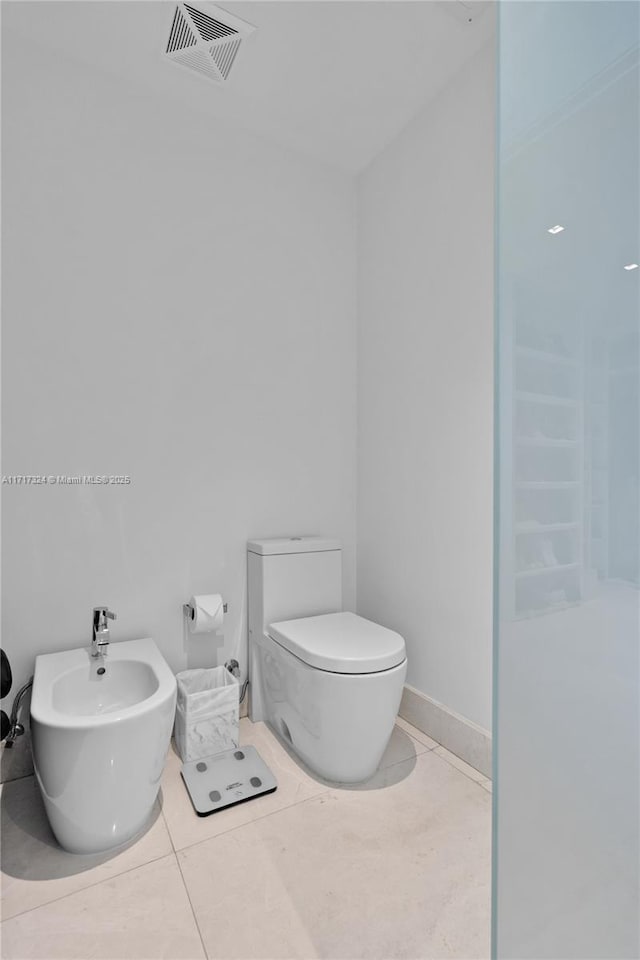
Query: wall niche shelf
{"type": "Point", "coordinates": [546, 536]}
{"type": "Point", "coordinates": [563, 388]}
{"type": "Point", "coordinates": [545, 442]}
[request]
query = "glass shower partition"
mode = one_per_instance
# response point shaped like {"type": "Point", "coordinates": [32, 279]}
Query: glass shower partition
{"type": "Point", "coordinates": [567, 616]}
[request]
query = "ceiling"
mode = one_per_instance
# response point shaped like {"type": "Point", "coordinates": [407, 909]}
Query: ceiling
{"type": "Point", "coordinates": [336, 81]}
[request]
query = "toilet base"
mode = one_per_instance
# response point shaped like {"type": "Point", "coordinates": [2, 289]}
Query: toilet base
{"type": "Point", "coordinates": [338, 724]}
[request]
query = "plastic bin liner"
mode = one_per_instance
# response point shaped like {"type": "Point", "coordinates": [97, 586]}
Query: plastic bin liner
{"type": "Point", "coordinates": [207, 710]}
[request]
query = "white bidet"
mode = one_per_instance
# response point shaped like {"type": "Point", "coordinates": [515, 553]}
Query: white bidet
{"type": "Point", "coordinates": [101, 729]}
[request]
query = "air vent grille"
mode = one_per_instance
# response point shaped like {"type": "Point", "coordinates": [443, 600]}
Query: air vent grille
{"type": "Point", "coordinates": [198, 61]}
{"type": "Point", "coordinates": [205, 43]}
{"type": "Point", "coordinates": [208, 28]}
{"type": "Point", "coordinates": [181, 35]}
{"type": "Point", "coordinates": [224, 54]}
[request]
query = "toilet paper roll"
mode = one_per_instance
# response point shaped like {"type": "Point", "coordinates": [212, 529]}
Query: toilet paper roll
{"type": "Point", "coordinates": [208, 613]}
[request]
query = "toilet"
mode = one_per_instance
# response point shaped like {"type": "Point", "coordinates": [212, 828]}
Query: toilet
{"type": "Point", "coordinates": [327, 682]}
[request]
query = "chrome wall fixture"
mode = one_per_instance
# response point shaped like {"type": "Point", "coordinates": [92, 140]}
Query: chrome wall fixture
{"type": "Point", "coordinates": [190, 613]}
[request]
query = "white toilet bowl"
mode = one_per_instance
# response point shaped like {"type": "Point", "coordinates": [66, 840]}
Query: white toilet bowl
{"type": "Point", "coordinates": [336, 710]}
{"type": "Point", "coordinates": [329, 683]}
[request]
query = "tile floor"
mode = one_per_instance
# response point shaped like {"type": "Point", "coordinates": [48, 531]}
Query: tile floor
{"type": "Point", "coordinates": [397, 867]}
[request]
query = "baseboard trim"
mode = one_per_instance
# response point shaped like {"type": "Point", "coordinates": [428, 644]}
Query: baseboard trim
{"type": "Point", "coordinates": [466, 739]}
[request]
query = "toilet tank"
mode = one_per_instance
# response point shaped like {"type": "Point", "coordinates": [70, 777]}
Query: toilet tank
{"type": "Point", "coordinates": [292, 577]}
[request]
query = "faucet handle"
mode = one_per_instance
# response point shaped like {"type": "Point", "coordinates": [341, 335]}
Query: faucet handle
{"type": "Point", "coordinates": [103, 613]}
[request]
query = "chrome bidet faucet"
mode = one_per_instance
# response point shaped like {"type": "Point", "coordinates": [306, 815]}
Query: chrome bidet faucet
{"type": "Point", "coordinates": [100, 638]}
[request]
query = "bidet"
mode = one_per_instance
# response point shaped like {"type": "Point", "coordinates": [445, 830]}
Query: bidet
{"type": "Point", "coordinates": [100, 735]}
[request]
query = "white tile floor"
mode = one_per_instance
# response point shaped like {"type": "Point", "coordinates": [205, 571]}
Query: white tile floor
{"type": "Point", "coordinates": [397, 867]}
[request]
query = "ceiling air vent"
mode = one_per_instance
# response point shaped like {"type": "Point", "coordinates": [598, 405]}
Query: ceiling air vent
{"type": "Point", "coordinates": [206, 39]}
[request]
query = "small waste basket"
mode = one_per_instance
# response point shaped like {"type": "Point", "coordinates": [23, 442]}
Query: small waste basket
{"type": "Point", "coordinates": [207, 711]}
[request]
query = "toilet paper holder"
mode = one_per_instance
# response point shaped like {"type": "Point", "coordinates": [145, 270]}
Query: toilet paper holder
{"type": "Point", "coordinates": [189, 612]}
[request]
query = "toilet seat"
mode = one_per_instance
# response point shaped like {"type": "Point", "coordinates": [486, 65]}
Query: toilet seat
{"type": "Point", "coordinates": [340, 643]}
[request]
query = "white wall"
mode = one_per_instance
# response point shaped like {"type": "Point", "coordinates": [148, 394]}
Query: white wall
{"type": "Point", "coordinates": [179, 305]}
{"type": "Point", "coordinates": [425, 391]}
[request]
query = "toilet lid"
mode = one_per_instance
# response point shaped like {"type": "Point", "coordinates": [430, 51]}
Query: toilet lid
{"type": "Point", "coordinates": [340, 643]}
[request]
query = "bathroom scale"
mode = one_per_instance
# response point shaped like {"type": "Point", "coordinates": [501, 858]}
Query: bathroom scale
{"type": "Point", "coordinates": [231, 777]}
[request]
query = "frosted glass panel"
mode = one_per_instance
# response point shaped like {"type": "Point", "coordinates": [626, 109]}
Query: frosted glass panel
{"type": "Point", "coordinates": [566, 731]}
